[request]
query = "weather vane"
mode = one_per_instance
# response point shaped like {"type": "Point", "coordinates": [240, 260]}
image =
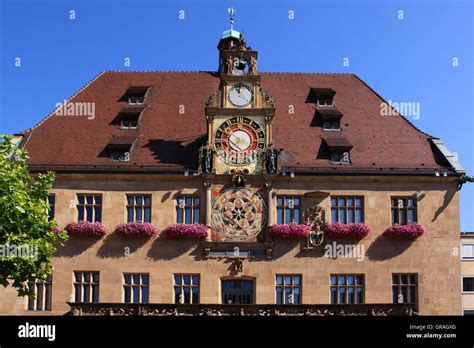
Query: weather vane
{"type": "Point", "coordinates": [231, 11]}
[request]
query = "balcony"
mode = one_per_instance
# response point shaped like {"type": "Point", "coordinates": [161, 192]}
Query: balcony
{"type": "Point", "coordinates": [158, 309]}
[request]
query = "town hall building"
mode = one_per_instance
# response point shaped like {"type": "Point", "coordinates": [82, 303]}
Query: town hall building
{"type": "Point", "coordinates": [240, 192]}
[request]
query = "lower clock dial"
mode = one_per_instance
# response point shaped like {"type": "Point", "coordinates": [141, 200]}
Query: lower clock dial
{"type": "Point", "coordinates": [239, 140]}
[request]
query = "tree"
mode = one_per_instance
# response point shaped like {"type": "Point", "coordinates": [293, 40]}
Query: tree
{"type": "Point", "coordinates": [24, 225]}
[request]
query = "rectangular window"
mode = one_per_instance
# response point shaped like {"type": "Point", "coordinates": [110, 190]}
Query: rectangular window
{"type": "Point", "coordinates": [404, 210]}
{"type": "Point", "coordinates": [51, 208]}
{"type": "Point", "coordinates": [129, 121]}
{"type": "Point", "coordinates": [467, 251]}
{"type": "Point", "coordinates": [135, 287]}
{"type": "Point", "coordinates": [86, 287]}
{"type": "Point", "coordinates": [288, 288]}
{"type": "Point", "coordinates": [89, 207]}
{"type": "Point", "coordinates": [188, 210]}
{"type": "Point", "coordinates": [332, 125]}
{"type": "Point", "coordinates": [120, 154]}
{"type": "Point", "coordinates": [468, 284]}
{"type": "Point", "coordinates": [43, 295]}
{"type": "Point", "coordinates": [138, 208]}
{"type": "Point", "coordinates": [186, 288]}
{"type": "Point", "coordinates": [137, 99]}
{"type": "Point", "coordinates": [347, 288]}
{"type": "Point", "coordinates": [325, 100]}
{"type": "Point", "coordinates": [468, 312]}
{"type": "Point", "coordinates": [405, 288]}
{"type": "Point", "coordinates": [347, 209]}
{"type": "Point", "coordinates": [288, 209]}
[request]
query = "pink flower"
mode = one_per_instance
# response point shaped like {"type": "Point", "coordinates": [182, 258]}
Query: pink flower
{"type": "Point", "coordinates": [355, 230]}
{"type": "Point", "coordinates": [401, 231]}
{"type": "Point", "coordinates": [186, 231]}
{"type": "Point", "coordinates": [84, 228]}
{"type": "Point", "coordinates": [137, 229]}
{"type": "Point", "coordinates": [292, 230]}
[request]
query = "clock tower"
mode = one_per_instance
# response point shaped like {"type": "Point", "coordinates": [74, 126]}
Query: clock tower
{"type": "Point", "coordinates": [239, 115]}
{"type": "Point", "coordinates": [238, 154]}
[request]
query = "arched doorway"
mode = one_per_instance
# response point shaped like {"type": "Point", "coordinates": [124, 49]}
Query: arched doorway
{"type": "Point", "coordinates": [237, 291]}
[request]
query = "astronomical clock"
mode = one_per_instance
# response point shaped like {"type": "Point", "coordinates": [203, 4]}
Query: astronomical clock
{"type": "Point", "coordinates": [239, 119]}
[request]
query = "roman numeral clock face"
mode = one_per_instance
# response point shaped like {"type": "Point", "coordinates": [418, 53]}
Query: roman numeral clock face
{"type": "Point", "coordinates": [239, 140]}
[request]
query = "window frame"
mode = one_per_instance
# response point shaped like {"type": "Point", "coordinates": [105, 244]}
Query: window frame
{"type": "Point", "coordinates": [407, 286]}
{"type": "Point", "coordinates": [46, 299]}
{"type": "Point", "coordinates": [283, 207]}
{"type": "Point", "coordinates": [140, 98]}
{"type": "Point", "coordinates": [140, 286]}
{"type": "Point", "coordinates": [126, 154]}
{"type": "Point", "coordinates": [354, 208]}
{"type": "Point", "coordinates": [189, 286]}
{"type": "Point", "coordinates": [85, 205]}
{"type": "Point", "coordinates": [462, 284]}
{"type": "Point", "coordinates": [186, 206]}
{"type": "Point", "coordinates": [469, 258]}
{"type": "Point", "coordinates": [338, 122]}
{"type": "Point", "coordinates": [346, 286]}
{"type": "Point", "coordinates": [91, 284]}
{"type": "Point", "coordinates": [129, 122]}
{"type": "Point", "coordinates": [341, 156]}
{"type": "Point", "coordinates": [404, 209]}
{"type": "Point", "coordinates": [134, 207]}
{"type": "Point", "coordinates": [291, 286]}
{"type": "Point", "coordinates": [328, 100]}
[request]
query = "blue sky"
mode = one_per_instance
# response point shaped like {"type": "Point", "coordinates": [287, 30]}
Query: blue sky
{"type": "Point", "coordinates": [405, 60]}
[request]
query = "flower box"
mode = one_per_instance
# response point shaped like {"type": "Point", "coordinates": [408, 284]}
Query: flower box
{"type": "Point", "coordinates": [84, 228]}
{"type": "Point", "coordinates": [405, 231]}
{"type": "Point", "coordinates": [286, 231]}
{"type": "Point", "coordinates": [186, 231]}
{"type": "Point", "coordinates": [355, 230]}
{"type": "Point", "coordinates": [144, 229]}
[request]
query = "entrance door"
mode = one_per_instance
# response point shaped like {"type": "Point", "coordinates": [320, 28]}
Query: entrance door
{"type": "Point", "coordinates": [237, 292]}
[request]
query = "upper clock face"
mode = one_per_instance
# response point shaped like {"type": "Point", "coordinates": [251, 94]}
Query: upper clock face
{"type": "Point", "coordinates": [240, 95]}
{"type": "Point", "coordinates": [239, 140]}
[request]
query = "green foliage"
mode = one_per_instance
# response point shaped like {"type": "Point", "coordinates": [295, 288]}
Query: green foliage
{"type": "Point", "coordinates": [24, 219]}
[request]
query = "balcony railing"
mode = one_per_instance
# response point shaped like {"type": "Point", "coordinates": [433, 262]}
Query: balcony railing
{"type": "Point", "coordinates": [158, 309]}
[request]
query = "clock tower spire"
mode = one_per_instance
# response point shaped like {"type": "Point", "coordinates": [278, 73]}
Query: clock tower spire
{"type": "Point", "coordinates": [240, 113]}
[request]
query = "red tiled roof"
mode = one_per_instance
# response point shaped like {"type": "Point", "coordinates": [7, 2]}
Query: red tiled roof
{"type": "Point", "coordinates": [173, 125]}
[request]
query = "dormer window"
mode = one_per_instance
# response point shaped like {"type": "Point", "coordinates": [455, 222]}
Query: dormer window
{"type": "Point", "coordinates": [332, 125]}
{"type": "Point", "coordinates": [119, 148]}
{"type": "Point", "coordinates": [322, 96]}
{"type": "Point", "coordinates": [128, 117]}
{"type": "Point", "coordinates": [325, 101]}
{"type": "Point", "coordinates": [330, 117]}
{"type": "Point", "coordinates": [135, 95]}
{"type": "Point", "coordinates": [136, 100]}
{"type": "Point", "coordinates": [340, 157]}
{"type": "Point", "coordinates": [339, 149]}
{"type": "Point", "coordinates": [129, 122]}
{"type": "Point", "coordinates": [122, 155]}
